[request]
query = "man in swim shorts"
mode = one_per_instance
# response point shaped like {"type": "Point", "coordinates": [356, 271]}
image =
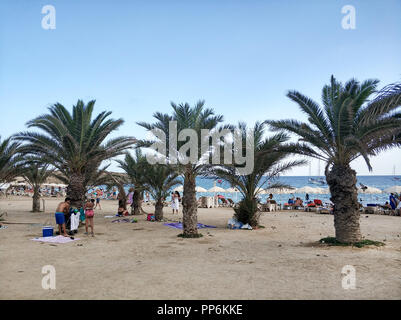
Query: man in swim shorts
{"type": "Point", "coordinates": [62, 208]}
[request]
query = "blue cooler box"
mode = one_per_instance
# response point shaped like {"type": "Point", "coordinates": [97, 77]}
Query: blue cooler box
{"type": "Point", "coordinates": [47, 231]}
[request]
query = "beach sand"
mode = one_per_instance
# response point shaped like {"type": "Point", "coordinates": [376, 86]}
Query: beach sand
{"type": "Point", "coordinates": [147, 260]}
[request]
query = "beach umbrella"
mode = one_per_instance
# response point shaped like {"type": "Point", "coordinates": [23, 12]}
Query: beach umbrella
{"type": "Point", "coordinates": [200, 189]}
{"type": "Point", "coordinates": [369, 190]}
{"type": "Point", "coordinates": [393, 189]}
{"type": "Point", "coordinates": [261, 191]}
{"type": "Point", "coordinates": [179, 189]}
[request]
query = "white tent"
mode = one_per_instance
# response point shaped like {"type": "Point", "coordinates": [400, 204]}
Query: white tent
{"type": "Point", "coordinates": [261, 191]}
{"type": "Point", "coordinates": [369, 190]}
{"type": "Point", "coordinates": [324, 190]}
{"type": "Point", "coordinates": [393, 189]}
{"type": "Point", "coordinates": [279, 191]}
{"type": "Point", "coordinates": [308, 189]}
{"type": "Point", "coordinates": [179, 189]}
{"type": "Point", "coordinates": [200, 189]}
{"type": "Point", "coordinates": [216, 189]}
{"type": "Point", "coordinates": [232, 190]}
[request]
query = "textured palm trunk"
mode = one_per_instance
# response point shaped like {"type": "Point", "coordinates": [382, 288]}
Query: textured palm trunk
{"type": "Point", "coordinates": [189, 205]}
{"type": "Point", "coordinates": [136, 203]}
{"type": "Point", "coordinates": [159, 210]}
{"type": "Point", "coordinates": [344, 195]}
{"type": "Point", "coordinates": [36, 200]}
{"type": "Point", "coordinates": [76, 190]}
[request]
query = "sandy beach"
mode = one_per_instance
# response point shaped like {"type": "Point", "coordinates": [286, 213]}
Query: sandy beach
{"type": "Point", "coordinates": [146, 260]}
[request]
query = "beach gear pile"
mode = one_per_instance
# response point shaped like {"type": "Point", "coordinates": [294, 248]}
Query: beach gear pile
{"type": "Point", "coordinates": [178, 225]}
{"type": "Point", "coordinates": [235, 224]}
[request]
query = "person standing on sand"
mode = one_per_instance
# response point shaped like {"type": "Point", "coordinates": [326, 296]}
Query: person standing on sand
{"type": "Point", "coordinates": [89, 214]}
{"type": "Point", "coordinates": [175, 204]}
{"type": "Point", "coordinates": [393, 202]}
{"type": "Point", "coordinates": [99, 194]}
{"type": "Point", "coordinates": [62, 208]}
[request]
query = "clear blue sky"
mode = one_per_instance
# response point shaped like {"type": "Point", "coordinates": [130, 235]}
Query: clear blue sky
{"type": "Point", "coordinates": [134, 57]}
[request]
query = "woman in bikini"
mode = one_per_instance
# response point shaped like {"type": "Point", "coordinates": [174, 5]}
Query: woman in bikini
{"type": "Point", "coordinates": [89, 213]}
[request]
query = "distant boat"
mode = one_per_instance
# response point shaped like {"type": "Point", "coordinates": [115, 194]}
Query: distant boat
{"type": "Point", "coordinates": [394, 177]}
{"type": "Point", "coordinates": [319, 181]}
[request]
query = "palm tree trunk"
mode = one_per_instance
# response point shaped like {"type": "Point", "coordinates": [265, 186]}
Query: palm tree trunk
{"type": "Point", "coordinates": [36, 200]}
{"type": "Point", "coordinates": [76, 190]}
{"type": "Point", "coordinates": [189, 204]}
{"type": "Point", "coordinates": [344, 195]}
{"type": "Point", "coordinates": [136, 203]}
{"type": "Point", "coordinates": [159, 210]}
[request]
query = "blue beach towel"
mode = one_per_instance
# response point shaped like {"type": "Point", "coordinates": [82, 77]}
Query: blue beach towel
{"type": "Point", "coordinates": [178, 225]}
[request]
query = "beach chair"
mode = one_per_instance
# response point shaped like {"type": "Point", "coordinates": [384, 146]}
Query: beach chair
{"type": "Point", "coordinates": [371, 209]}
{"type": "Point", "coordinates": [318, 202]}
{"type": "Point", "coordinates": [231, 202]}
{"type": "Point", "coordinates": [224, 203]}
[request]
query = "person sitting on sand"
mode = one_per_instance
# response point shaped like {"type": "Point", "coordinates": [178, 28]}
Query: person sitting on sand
{"type": "Point", "coordinates": [122, 207]}
{"type": "Point", "coordinates": [89, 213]}
{"type": "Point", "coordinates": [62, 208]}
{"type": "Point", "coordinates": [386, 206]}
{"type": "Point", "coordinates": [298, 202]}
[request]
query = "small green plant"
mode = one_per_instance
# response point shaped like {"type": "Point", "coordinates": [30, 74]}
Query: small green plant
{"type": "Point", "coordinates": [331, 241]}
{"type": "Point", "coordinates": [182, 235]}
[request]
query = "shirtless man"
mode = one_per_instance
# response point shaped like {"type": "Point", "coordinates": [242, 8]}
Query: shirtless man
{"type": "Point", "coordinates": [62, 208]}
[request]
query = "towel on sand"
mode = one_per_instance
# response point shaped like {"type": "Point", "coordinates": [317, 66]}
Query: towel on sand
{"type": "Point", "coordinates": [56, 239]}
{"type": "Point", "coordinates": [178, 225]}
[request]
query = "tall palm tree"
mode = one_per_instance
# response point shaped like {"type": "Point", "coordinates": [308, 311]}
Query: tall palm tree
{"type": "Point", "coordinates": [10, 160]}
{"type": "Point", "coordinates": [36, 175]}
{"type": "Point", "coordinates": [270, 153]}
{"type": "Point", "coordinates": [347, 126]}
{"type": "Point", "coordinates": [158, 180]}
{"type": "Point", "coordinates": [74, 143]}
{"type": "Point", "coordinates": [186, 117]}
{"type": "Point", "coordinates": [134, 168]}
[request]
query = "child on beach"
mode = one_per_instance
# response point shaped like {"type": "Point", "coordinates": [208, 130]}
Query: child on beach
{"type": "Point", "coordinates": [89, 213]}
{"type": "Point", "coordinates": [62, 208]}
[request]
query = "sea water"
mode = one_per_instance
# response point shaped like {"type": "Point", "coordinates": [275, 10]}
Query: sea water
{"type": "Point", "coordinates": [380, 182]}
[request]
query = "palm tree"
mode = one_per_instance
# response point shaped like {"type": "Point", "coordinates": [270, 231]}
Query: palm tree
{"type": "Point", "coordinates": [195, 118]}
{"type": "Point", "coordinates": [134, 168]}
{"type": "Point", "coordinates": [36, 175]}
{"type": "Point", "coordinates": [74, 143]}
{"type": "Point", "coordinates": [10, 160]}
{"type": "Point", "coordinates": [347, 126]}
{"type": "Point", "coordinates": [270, 153]}
{"type": "Point", "coordinates": [158, 180]}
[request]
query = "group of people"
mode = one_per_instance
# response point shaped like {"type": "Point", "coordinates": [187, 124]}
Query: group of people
{"type": "Point", "coordinates": [64, 210]}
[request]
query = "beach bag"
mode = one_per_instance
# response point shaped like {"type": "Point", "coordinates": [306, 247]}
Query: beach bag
{"type": "Point", "coordinates": [150, 217]}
